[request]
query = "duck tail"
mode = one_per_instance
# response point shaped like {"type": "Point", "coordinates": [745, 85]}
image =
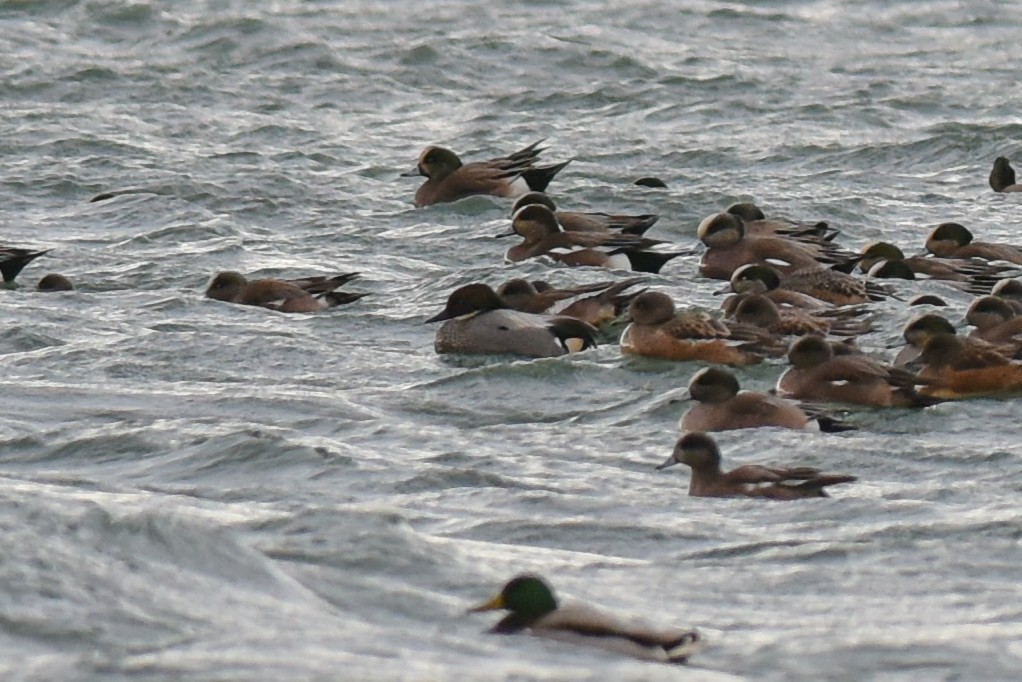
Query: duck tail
{"type": "Point", "coordinates": [680, 648]}
{"type": "Point", "coordinates": [573, 334]}
{"type": "Point", "coordinates": [651, 261]}
{"type": "Point", "coordinates": [830, 424]}
{"type": "Point", "coordinates": [633, 224]}
{"type": "Point", "coordinates": [15, 260]}
{"type": "Point", "coordinates": [335, 298]}
{"type": "Point", "coordinates": [538, 178]}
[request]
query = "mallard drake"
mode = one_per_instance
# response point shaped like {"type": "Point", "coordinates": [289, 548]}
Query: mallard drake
{"type": "Point", "coordinates": [534, 607]}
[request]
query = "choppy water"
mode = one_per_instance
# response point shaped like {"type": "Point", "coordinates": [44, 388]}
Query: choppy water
{"type": "Point", "coordinates": [192, 490]}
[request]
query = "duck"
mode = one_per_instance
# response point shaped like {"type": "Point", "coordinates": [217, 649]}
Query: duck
{"type": "Point", "coordinates": [879, 259]}
{"type": "Point", "coordinates": [55, 282]}
{"type": "Point", "coordinates": [534, 608]}
{"type": "Point", "coordinates": [818, 374]}
{"type": "Point", "coordinates": [606, 304]}
{"type": "Point", "coordinates": [954, 371]}
{"type": "Point", "coordinates": [759, 311]}
{"type": "Point", "coordinates": [602, 223]}
{"type": "Point", "coordinates": [525, 296]}
{"type": "Point", "coordinates": [835, 287]}
{"type": "Point", "coordinates": [1002, 176]}
{"type": "Point", "coordinates": [1009, 290]}
{"type": "Point", "coordinates": [13, 260]}
{"type": "Point", "coordinates": [448, 179]}
{"type": "Point", "coordinates": [542, 236]}
{"type": "Point", "coordinates": [304, 295]}
{"type": "Point", "coordinates": [918, 330]}
{"type": "Point", "coordinates": [728, 247]}
{"type": "Point", "coordinates": [954, 240]}
{"type": "Point", "coordinates": [766, 281]}
{"type": "Point", "coordinates": [722, 406]}
{"type": "Point", "coordinates": [700, 452]}
{"type": "Point", "coordinates": [657, 330]}
{"type": "Point", "coordinates": [995, 320]}
{"type": "Point", "coordinates": [606, 307]}
{"type": "Point", "coordinates": [756, 224]}
{"type": "Point", "coordinates": [477, 320]}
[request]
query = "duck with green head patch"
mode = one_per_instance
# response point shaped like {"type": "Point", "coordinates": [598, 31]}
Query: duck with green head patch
{"type": "Point", "coordinates": [534, 608]}
{"type": "Point", "coordinates": [954, 240]}
{"type": "Point", "coordinates": [448, 179]}
{"type": "Point", "coordinates": [976, 275]}
{"type": "Point", "coordinates": [574, 221]}
{"type": "Point", "coordinates": [757, 224]}
{"type": "Point", "coordinates": [728, 247]}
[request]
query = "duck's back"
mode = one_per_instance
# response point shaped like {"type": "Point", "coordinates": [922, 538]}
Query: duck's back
{"type": "Point", "coordinates": [499, 332]}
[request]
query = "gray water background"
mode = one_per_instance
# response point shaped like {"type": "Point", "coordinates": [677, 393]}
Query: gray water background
{"type": "Point", "coordinates": [197, 491]}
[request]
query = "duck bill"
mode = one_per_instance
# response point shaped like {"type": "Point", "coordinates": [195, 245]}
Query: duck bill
{"type": "Point", "coordinates": [509, 233]}
{"type": "Point", "coordinates": [439, 317]}
{"type": "Point", "coordinates": [494, 604]}
{"type": "Point", "coordinates": [723, 290]}
{"type": "Point", "coordinates": [669, 462]}
{"type": "Point", "coordinates": [413, 173]}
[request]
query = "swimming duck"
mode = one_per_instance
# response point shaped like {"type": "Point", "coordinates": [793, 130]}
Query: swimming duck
{"type": "Point", "coordinates": [605, 307]}
{"type": "Point", "coordinates": [304, 295]}
{"type": "Point", "coordinates": [953, 240]}
{"type": "Point", "coordinates": [759, 311]}
{"type": "Point", "coordinates": [721, 406]}
{"type": "Point", "coordinates": [766, 281]}
{"type": "Point", "coordinates": [542, 236]}
{"type": "Point", "coordinates": [728, 248]}
{"type": "Point", "coordinates": [448, 179]}
{"type": "Point", "coordinates": [534, 607]}
{"type": "Point", "coordinates": [524, 296]}
{"type": "Point", "coordinates": [995, 320]}
{"type": "Point", "coordinates": [818, 374]}
{"type": "Point", "coordinates": [977, 275]}
{"type": "Point", "coordinates": [700, 452]}
{"type": "Point", "coordinates": [918, 330]}
{"type": "Point", "coordinates": [607, 302]}
{"type": "Point", "coordinates": [571, 221]}
{"type": "Point", "coordinates": [1002, 176]}
{"type": "Point", "coordinates": [13, 260]}
{"type": "Point", "coordinates": [477, 320]}
{"type": "Point", "coordinates": [954, 371]}
{"type": "Point", "coordinates": [756, 224]}
{"type": "Point", "coordinates": [1009, 290]}
{"type": "Point", "coordinates": [54, 282]}
{"type": "Point", "coordinates": [657, 330]}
